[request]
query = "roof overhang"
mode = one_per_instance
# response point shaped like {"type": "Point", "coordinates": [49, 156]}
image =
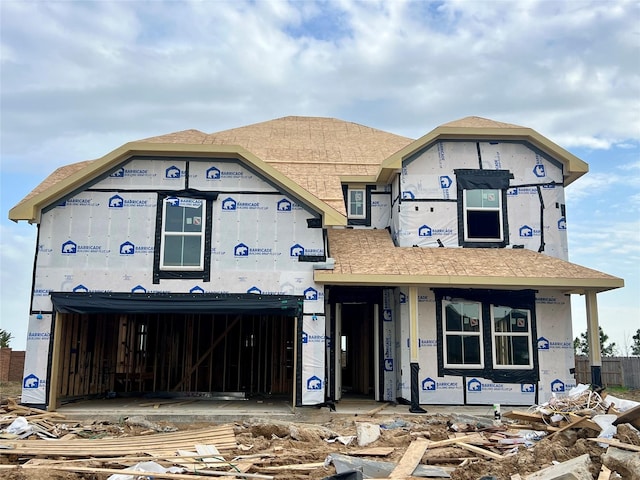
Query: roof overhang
{"type": "Point", "coordinates": [567, 286]}
{"type": "Point", "coordinates": [574, 168]}
{"type": "Point", "coordinates": [30, 209]}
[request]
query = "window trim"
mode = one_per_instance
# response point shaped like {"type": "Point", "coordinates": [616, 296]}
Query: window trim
{"type": "Point", "coordinates": [465, 213]}
{"type": "Point", "coordinates": [495, 335]}
{"type": "Point", "coordinates": [350, 203]}
{"type": "Point", "coordinates": [171, 272]}
{"type": "Point", "coordinates": [462, 334]}
{"type": "Point", "coordinates": [478, 179]}
{"type": "Point", "coordinates": [164, 234]}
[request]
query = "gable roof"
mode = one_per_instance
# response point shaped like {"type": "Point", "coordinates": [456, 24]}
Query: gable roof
{"type": "Point", "coordinates": [308, 156]}
{"type": "Point", "coordinates": [369, 257]}
{"type": "Point", "coordinates": [479, 128]}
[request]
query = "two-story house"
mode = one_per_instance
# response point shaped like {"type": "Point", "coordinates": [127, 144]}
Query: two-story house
{"type": "Point", "coordinates": [311, 258]}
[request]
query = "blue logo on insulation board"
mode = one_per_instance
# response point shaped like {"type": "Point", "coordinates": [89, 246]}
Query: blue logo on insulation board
{"type": "Point", "coordinates": [314, 383]}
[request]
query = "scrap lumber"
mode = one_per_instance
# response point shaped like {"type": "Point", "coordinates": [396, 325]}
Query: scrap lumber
{"type": "Point", "coordinates": [574, 424]}
{"type": "Point", "coordinates": [524, 416]}
{"type": "Point", "coordinates": [167, 476]}
{"type": "Point", "coordinates": [616, 443]}
{"type": "Point", "coordinates": [373, 451]}
{"type": "Point", "coordinates": [480, 451]}
{"type": "Point", "coordinates": [410, 459]}
{"type": "Point", "coordinates": [631, 416]}
{"type": "Point", "coordinates": [377, 409]}
{"type": "Point", "coordinates": [222, 437]}
{"type": "Point", "coordinates": [299, 466]}
{"type": "Point", "coordinates": [605, 473]}
{"type": "Point", "coordinates": [450, 441]}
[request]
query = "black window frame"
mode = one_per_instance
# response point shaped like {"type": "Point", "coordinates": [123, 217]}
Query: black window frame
{"type": "Point", "coordinates": [476, 179]}
{"type": "Point", "coordinates": [366, 221]}
{"type": "Point", "coordinates": [517, 299]}
{"type": "Point", "coordinates": [203, 274]}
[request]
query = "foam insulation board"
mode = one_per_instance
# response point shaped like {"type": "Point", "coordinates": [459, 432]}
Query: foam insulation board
{"type": "Point", "coordinates": [34, 382]}
{"type": "Point", "coordinates": [380, 209]}
{"type": "Point", "coordinates": [429, 174]}
{"type": "Point", "coordinates": [160, 174]}
{"type": "Point", "coordinates": [313, 350]}
{"type": "Point", "coordinates": [225, 176]}
{"type": "Point", "coordinates": [424, 223]}
{"type": "Point", "coordinates": [389, 313]}
{"type": "Point", "coordinates": [527, 165]}
{"type": "Point", "coordinates": [403, 356]}
{"type": "Point", "coordinates": [555, 343]}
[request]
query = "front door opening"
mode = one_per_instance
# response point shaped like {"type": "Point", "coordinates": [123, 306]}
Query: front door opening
{"type": "Point", "coordinates": [357, 357]}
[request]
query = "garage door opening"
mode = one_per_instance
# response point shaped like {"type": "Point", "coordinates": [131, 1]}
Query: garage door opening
{"type": "Point", "coordinates": [234, 354]}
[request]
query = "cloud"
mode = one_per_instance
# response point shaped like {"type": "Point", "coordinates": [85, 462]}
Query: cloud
{"type": "Point", "coordinates": [129, 70]}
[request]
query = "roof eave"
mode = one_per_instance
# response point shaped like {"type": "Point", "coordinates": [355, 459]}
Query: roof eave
{"type": "Point", "coordinates": [30, 209]}
{"type": "Point", "coordinates": [574, 167]}
{"type": "Point", "coordinates": [577, 286]}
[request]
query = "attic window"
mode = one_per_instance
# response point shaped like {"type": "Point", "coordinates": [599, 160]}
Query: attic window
{"type": "Point", "coordinates": [356, 203]}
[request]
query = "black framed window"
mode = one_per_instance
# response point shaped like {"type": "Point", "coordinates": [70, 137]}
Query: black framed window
{"type": "Point", "coordinates": [487, 333]}
{"type": "Point", "coordinates": [183, 231]}
{"type": "Point", "coordinates": [183, 235]}
{"type": "Point", "coordinates": [482, 207]}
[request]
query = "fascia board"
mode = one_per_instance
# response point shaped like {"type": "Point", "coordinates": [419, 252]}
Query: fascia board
{"type": "Point", "coordinates": [30, 209]}
{"type": "Point", "coordinates": [574, 167]}
{"type": "Point", "coordinates": [570, 285]}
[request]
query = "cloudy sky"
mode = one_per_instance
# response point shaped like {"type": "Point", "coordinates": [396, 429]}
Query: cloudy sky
{"type": "Point", "coordinates": [80, 78]}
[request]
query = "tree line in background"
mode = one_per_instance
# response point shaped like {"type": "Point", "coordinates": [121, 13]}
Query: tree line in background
{"type": "Point", "coordinates": [607, 348]}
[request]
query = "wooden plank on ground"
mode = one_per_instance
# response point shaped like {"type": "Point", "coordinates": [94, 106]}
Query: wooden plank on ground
{"type": "Point", "coordinates": [450, 441]}
{"type": "Point", "coordinates": [167, 476]}
{"type": "Point", "coordinates": [410, 460]}
{"type": "Point", "coordinates": [524, 416]}
{"type": "Point", "coordinates": [629, 416]}
{"type": "Point", "coordinates": [373, 451]}
{"type": "Point", "coordinates": [605, 473]}
{"type": "Point", "coordinates": [616, 443]}
{"type": "Point", "coordinates": [379, 408]}
{"type": "Point", "coordinates": [574, 424]}
{"type": "Point", "coordinates": [480, 451]}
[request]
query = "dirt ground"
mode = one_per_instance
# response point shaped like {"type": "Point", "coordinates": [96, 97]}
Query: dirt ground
{"type": "Point", "coordinates": [295, 444]}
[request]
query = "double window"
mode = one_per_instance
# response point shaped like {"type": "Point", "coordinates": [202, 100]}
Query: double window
{"type": "Point", "coordinates": [489, 334]}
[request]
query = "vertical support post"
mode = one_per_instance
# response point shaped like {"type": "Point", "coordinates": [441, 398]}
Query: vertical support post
{"type": "Point", "coordinates": [593, 336]}
{"type": "Point", "coordinates": [56, 330]}
{"type": "Point", "coordinates": [295, 364]}
{"type": "Point", "coordinates": [413, 351]}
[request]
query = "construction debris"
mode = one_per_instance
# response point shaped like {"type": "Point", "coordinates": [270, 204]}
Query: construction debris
{"type": "Point", "coordinates": [563, 438]}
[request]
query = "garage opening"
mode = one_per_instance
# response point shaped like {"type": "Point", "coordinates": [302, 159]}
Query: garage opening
{"type": "Point", "coordinates": [207, 345]}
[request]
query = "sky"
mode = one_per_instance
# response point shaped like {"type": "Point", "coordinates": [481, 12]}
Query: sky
{"type": "Point", "coordinates": [81, 78]}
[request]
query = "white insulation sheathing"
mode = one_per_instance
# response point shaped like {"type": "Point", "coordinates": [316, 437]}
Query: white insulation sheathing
{"type": "Point", "coordinates": [104, 241]}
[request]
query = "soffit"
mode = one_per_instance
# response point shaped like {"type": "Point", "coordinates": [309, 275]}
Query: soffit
{"type": "Point", "coordinates": [369, 257]}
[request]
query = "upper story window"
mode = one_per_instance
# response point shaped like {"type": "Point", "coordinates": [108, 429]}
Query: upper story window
{"type": "Point", "coordinates": [183, 234]}
{"type": "Point", "coordinates": [357, 199]}
{"type": "Point", "coordinates": [483, 215]}
{"type": "Point", "coordinates": [482, 207]}
{"type": "Point", "coordinates": [356, 203]}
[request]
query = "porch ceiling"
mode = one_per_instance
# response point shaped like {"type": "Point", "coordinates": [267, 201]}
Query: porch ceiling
{"type": "Point", "coordinates": [369, 257]}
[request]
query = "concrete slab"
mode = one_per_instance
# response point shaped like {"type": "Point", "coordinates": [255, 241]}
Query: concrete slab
{"type": "Point", "coordinates": [181, 410]}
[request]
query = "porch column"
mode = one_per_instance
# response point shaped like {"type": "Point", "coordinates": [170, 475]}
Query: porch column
{"type": "Point", "coordinates": [593, 336]}
{"type": "Point", "coordinates": [413, 351]}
